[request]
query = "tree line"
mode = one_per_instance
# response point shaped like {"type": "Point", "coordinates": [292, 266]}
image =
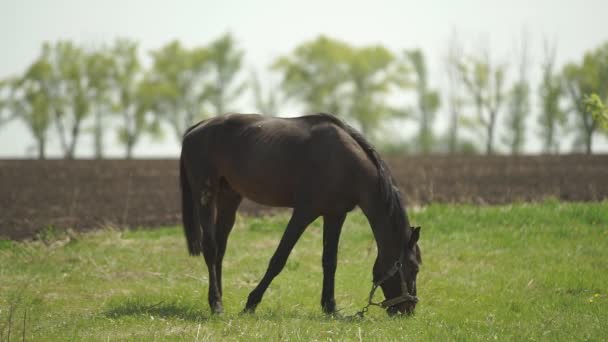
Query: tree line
{"type": "Point", "coordinates": [69, 91]}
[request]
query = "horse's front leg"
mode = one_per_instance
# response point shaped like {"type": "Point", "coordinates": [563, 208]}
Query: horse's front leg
{"type": "Point", "coordinates": [300, 219]}
{"type": "Point", "coordinates": [332, 226]}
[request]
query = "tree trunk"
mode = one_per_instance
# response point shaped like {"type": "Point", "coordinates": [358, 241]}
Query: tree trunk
{"type": "Point", "coordinates": [489, 141]}
{"type": "Point", "coordinates": [41, 148]}
{"type": "Point", "coordinates": [549, 138]}
{"type": "Point", "coordinates": [588, 142]}
{"type": "Point", "coordinates": [69, 154]}
{"type": "Point", "coordinates": [130, 144]}
{"type": "Point", "coordinates": [70, 149]}
{"type": "Point", "coordinates": [98, 136]}
{"type": "Point", "coordinates": [129, 154]}
{"type": "Point", "coordinates": [423, 139]}
{"type": "Point", "coordinates": [491, 126]}
{"type": "Point", "coordinates": [453, 133]}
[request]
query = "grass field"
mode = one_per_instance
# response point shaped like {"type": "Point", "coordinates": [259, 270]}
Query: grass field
{"type": "Point", "coordinates": [520, 272]}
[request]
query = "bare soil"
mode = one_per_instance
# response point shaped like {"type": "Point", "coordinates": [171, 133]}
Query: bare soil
{"type": "Point", "coordinates": [36, 196]}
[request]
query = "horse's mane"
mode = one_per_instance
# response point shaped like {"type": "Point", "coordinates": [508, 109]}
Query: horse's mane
{"type": "Point", "coordinates": [193, 127]}
{"type": "Point", "coordinates": [388, 189]}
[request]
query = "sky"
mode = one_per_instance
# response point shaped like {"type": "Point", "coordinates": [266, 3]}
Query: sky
{"type": "Point", "coordinates": [266, 29]}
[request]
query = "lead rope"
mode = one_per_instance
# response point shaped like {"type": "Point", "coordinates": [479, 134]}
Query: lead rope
{"type": "Point", "coordinates": [361, 313]}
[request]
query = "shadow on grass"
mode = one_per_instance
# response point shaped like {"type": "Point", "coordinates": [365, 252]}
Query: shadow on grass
{"type": "Point", "coordinates": [155, 308]}
{"type": "Point", "coordinates": [342, 316]}
{"type": "Point", "coordinates": [172, 309]}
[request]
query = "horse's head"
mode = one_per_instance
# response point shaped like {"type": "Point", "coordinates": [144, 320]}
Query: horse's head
{"type": "Point", "coordinates": [397, 275]}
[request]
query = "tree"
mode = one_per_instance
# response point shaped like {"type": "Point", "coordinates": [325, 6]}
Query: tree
{"type": "Point", "coordinates": [484, 82]}
{"type": "Point", "coordinates": [31, 102]}
{"type": "Point", "coordinates": [591, 76]}
{"type": "Point", "coordinates": [332, 76]}
{"type": "Point", "coordinates": [598, 110]}
{"type": "Point", "coordinates": [518, 106]}
{"type": "Point", "coordinates": [99, 69]}
{"type": "Point", "coordinates": [68, 92]}
{"type": "Point", "coordinates": [225, 60]}
{"type": "Point", "coordinates": [428, 102]}
{"type": "Point", "coordinates": [550, 92]}
{"type": "Point", "coordinates": [136, 97]}
{"type": "Point", "coordinates": [371, 73]}
{"type": "Point", "coordinates": [177, 79]}
{"type": "Point", "coordinates": [454, 97]}
{"type": "Point", "coordinates": [314, 74]}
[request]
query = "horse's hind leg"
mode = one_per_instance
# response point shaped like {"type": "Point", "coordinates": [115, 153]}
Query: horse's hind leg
{"type": "Point", "coordinates": [332, 226]}
{"type": "Point", "coordinates": [207, 212]}
{"type": "Point", "coordinates": [228, 203]}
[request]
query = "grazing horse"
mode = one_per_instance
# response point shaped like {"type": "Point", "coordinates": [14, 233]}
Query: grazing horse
{"type": "Point", "coordinates": [315, 164]}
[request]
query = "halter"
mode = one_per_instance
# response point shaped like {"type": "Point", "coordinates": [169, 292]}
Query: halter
{"type": "Point", "coordinates": [403, 298]}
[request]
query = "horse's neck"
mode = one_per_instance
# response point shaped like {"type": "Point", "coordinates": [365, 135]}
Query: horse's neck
{"type": "Point", "coordinates": [383, 227]}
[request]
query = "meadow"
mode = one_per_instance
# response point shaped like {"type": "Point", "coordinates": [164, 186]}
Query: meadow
{"type": "Point", "coordinates": [513, 272]}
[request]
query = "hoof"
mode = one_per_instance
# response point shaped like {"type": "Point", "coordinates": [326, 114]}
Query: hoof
{"type": "Point", "coordinates": [248, 311]}
{"type": "Point", "coordinates": [251, 305]}
{"type": "Point", "coordinates": [334, 315]}
{"type": "Point", "coordinates": [330, 311]}
{"type": "Point", "coordinates": [329, 308]}
{"type": "Point", "coordinates": [217, 309]}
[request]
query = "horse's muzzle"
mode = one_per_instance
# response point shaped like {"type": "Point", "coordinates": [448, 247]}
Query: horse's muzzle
{"type": "Point", "coordinates": [404, 304]}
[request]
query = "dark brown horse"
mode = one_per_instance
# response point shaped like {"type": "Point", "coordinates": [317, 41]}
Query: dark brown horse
{"type": "Point", "coordinates": [315, 164]}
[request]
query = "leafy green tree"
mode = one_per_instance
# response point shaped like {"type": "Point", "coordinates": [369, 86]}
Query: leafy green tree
{"type": "Point", "coordinates": [590, 77]}
{"type": "Point", "coordinates": [372, 71]}
{"type": "Point", "coordinates": [136, 97]}
{"type": "Point", "coordinates": [484, 82]}
{"type": "Point", "coordinates": [224, 63]}
{"type": "Point", "coordinates": [68, 92]}
{"type": "Point", "coordinates": [177, 79]}
{"type": "Point", "coordinates": [332, 76]}
{"type": "Point", "coordinates": [598, 110]}
{"type": "Point", "coordinates": [314, 74]}
{"type": "Point", "coordinates": [99, 69]}
{"type": "Point", "coordinates": [31, 101]}
{"type": "Point", "coordinates": [518, 106]}
{"type": "Point", "coordinates": [428, 102]}
{"type": "Point", "coordinates": [552, 117]}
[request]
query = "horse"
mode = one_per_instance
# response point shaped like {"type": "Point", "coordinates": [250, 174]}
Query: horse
{"type": "Point", "coordinates": [315, 164]}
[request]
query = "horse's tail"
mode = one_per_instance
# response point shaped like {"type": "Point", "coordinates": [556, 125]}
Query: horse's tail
{"type": "Point", "coordinates": [189, 217]}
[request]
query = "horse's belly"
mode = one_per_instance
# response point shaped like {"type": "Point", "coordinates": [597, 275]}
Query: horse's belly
{"type": "Point", "coordinates": [262, 191]}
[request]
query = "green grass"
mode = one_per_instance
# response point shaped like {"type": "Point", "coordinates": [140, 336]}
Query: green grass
{"type": "Point", "coordinates": [519, 272]}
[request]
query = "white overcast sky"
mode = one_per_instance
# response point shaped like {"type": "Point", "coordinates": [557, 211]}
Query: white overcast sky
{"type": "Point", "coordinates": [269, 28]}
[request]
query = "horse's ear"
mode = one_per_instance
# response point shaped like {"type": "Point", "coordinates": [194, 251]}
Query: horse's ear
{"type": "Point", "coordinates": [415, 236]}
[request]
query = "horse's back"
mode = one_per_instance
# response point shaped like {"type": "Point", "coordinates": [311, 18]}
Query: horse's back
{"type": "Point", "coordinates": [280, 161]}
